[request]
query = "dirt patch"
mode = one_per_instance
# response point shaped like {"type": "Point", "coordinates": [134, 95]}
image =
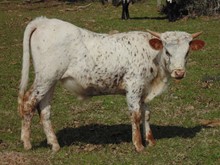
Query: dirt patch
{"type": "Point", "coordinates": [11, 6]}
{"type": "Point", "coordinates": [13, 158]}
{"type": "Point", "coordinates": [19, 158]}
{"type": "Point", "coordinates": [210, 123]}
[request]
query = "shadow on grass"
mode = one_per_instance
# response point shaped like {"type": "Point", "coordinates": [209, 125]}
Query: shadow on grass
{"type": "Point", "coordinates": [115, 134]}
{"type": "Point", "coordinates": [143, 18]}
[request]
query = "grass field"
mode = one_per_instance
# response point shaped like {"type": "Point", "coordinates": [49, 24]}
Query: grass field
{"type": "Point", "coordinates": [98, 131]}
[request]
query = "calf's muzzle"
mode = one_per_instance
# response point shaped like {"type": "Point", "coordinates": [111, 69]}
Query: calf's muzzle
{"type": "Point", "coordinates": [178, 73]}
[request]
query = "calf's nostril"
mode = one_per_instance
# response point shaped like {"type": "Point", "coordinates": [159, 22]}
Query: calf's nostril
{"type": "Point", "coordinates": [179, 73]}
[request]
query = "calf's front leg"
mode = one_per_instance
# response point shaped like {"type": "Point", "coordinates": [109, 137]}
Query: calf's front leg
{"type": "Point", "coordinates": [148, 135]}
{"type": "Point", "coordinates": [133, 99]}
{"type": "Point", "coordinates": [136, 132]}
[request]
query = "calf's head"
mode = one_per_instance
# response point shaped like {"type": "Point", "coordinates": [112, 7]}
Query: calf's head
{"type": "Point", "coordinates": [174, 47]}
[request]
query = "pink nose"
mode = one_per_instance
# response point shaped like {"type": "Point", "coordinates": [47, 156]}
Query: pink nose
{"type": "Point", "coordinates": [179, 73]}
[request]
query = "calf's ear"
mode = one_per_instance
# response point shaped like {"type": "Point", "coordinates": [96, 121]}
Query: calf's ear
{"type": "Point", "coordinates": [196, 44]}
{"type": "Point", "coordinates": [156, 44]}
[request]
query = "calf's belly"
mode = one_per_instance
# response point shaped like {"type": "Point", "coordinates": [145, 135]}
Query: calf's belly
{"type": "Point", "coordinates": [90, 89]}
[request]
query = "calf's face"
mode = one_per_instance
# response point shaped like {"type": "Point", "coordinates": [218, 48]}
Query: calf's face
{"type": "Point", "coordinates": [175, 47]}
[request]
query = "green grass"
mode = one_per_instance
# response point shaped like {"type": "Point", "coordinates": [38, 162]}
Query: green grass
{"type": "Point", "coordinates": [98, 130]}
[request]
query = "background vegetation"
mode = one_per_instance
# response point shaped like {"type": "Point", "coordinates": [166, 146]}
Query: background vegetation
{"type": "Point", "coordinates": [194, 8]}
{"type": "Point", "coordinates": [184, 119]}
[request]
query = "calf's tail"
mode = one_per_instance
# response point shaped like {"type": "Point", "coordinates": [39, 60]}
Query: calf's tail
{"type": "Point", "coordinates": [31, 27]}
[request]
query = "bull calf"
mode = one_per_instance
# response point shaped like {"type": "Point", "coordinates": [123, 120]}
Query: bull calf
{"type": "Point", "coordinates": [135, 64]}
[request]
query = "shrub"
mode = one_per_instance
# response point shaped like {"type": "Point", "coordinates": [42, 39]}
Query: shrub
{"type": "Point", "coordinates": [195, 8]}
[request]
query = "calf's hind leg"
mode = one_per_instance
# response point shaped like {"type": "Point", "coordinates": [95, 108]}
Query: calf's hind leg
{"type": "Point", "coordinates": [27, 105]}
{"type": "Point", "coordinates": [44, 112]}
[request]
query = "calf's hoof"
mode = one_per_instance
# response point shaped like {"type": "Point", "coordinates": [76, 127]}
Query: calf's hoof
{"type": "Point", "coordinates": [139, 148]}
{"type": "Point", "coordinates": [27, 145]}
{"type": "Point", "coordinates": [151, 143]}
{"type": "Point", "coordinates": [55, 148]}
